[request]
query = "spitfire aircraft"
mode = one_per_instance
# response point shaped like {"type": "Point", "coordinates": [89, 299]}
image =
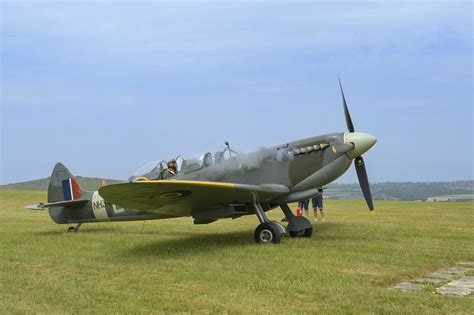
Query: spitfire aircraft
{"type": "Point", "coordinates": [221, 185]}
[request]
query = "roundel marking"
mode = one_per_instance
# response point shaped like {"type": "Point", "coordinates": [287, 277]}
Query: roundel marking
{"type": "Point", "coordinates": [175, 194]}
{"type": "Point", "coordinates": [171, 195]}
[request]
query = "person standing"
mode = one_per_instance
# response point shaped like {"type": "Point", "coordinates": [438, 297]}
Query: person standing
{"type": "Point", "coordinates": [304, 205]}
{"type": "Point", "coordinates": [317, 202]}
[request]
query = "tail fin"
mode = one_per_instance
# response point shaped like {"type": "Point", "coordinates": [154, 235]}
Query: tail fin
{"type": "Point", "coordinates": [63, 186]}
{"type": "Point", "coordinates": [63, 194]}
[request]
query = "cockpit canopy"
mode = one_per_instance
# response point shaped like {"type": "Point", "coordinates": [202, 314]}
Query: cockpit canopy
{"type": "Point", "coordinates": [153, 170]}
{"type": "Point", "coordinates": [150, 170]}
{"type": "Point", "coordinates": [197, 162]}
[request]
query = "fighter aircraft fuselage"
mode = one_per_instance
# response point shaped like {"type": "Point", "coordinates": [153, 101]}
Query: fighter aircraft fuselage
{"type": "Point", "coordinates": [224, 184]}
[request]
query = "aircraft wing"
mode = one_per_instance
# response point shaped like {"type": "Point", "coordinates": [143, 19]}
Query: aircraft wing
{"type": "Point", "coordinates": [179, 197]}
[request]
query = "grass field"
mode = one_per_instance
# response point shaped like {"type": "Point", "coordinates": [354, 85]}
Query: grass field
{"type": "Point", "coordinates": [348, 266]}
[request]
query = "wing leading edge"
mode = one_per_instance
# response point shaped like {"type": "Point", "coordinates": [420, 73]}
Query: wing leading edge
{"type": "Point", "coordinates": [179, 197]}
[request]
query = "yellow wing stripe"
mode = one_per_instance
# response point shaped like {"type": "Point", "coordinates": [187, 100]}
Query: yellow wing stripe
{"type": "Point", "coordinates": [141, 179]}
{"type": "Point", "coordinates": [188, 182]}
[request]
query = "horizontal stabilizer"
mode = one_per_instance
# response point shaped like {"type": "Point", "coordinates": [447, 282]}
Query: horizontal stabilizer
{"type": "Point", "coordinates": [66, 203]}
{"type": "Point", "coordinates": [39, 206]}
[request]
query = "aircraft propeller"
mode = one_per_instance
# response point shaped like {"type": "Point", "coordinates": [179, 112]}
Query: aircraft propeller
{"type": "Point", "coordinates": [359, 161]}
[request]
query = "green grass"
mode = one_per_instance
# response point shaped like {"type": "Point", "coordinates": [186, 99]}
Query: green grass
{"type": "Point", "coordinates": [348, 266]}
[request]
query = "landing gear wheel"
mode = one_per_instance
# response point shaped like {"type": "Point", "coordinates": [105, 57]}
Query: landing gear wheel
{"type": "Point", "coordinates": [303, 233]}
{"type": "Point", "coordinates": [297, 233]}
{"type": "Point", "coordinates": [308, 232]}
{"type": "Point", "coordinates": [267, 232]}
{"type": "Point", "coordinates": [280, 228]}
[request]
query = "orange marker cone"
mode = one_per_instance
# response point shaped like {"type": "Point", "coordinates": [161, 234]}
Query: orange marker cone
{"type": "Point", "coordinates": [299, 213]}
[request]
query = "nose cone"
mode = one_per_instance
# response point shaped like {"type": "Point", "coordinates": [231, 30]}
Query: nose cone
{"type": "Point", "coordinates": [362, 143]}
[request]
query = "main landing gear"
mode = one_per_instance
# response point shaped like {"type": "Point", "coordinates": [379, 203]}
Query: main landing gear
{"type": "Point", "coordinates": [297, 226]}
{"type": "Point", "coordinates": [74, 229]}
{"type": "Point", "coordinates": [271, 231]}
{"type": "Point", "coordinates": [268, 231]}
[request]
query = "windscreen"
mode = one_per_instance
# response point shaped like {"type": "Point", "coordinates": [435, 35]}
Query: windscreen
{"type": "Point", "coordinates": [147, 168]}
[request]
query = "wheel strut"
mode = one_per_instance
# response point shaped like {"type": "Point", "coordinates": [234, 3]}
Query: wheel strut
{"type": "Point", "coordinates": [297, 226]}
{"type": "Point", "coordinates": [73, 229]}
{"type": "Point", "coordinates": [262, 217]}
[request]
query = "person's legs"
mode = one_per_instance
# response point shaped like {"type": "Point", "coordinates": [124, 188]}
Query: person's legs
{"type": "Point", "coordinates": [305, 207]}
{"type": "Point", "coordinates": [315, 208]}
{"type": "Point", "coordinates": [320, 206]}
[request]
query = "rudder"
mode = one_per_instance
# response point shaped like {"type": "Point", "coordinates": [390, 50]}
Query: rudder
{"type": "Point", "coordinates": [63, 185]}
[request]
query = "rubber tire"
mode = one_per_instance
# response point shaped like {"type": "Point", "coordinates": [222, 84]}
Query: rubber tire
{"type": "Point", "coordinates": [308, 232]}
{"type": "Point", "coordinates": [280, 227]}
{"type": "Point", "coordinates": [304, 233]}
{"type": "Point", "coordinates": [297, 233]}
{"type": "Point", "coordinates": [72, 229]}
{"type": "Point", "coordinates": [267, 228]}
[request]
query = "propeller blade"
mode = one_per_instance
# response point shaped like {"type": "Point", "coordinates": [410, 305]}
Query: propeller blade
{"type": "Point", "coordinates": [364, 181]}
{"type": "Point", "coordinates": [350, 125]}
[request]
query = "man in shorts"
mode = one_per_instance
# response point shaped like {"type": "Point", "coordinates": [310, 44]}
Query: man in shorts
{"type": "Point", "coordinates": [318, 203]}
{"type": "Point", "coordinates": [304, 205]}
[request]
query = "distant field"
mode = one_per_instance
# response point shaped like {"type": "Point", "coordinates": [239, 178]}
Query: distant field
{"type": "Point", "coordinates": [456, 197]}
{"type": "Point", "coordinates": [349, 266]}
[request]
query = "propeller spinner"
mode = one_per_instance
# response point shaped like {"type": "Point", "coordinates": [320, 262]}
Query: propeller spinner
{"type": "Point", "coordinates": [362, 143]}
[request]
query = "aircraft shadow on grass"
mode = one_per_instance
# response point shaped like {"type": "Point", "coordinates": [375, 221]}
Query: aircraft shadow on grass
{"type": "Point", "coordinates": [84, 231]}
{"type": "Point", "coordinates": [194, 244]}
{"type": "Point", "coordinates": [320, 231]}
{"type": "Point", "coordinates": [187, 244]}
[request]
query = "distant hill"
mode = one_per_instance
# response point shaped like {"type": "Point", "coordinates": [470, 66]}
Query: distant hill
{"type": "Point", "coordinates": [380, 191]}
{"type": "Point", "coordinates": [402, 191]}
{"type": "Point", "coordinates": [86, 183]}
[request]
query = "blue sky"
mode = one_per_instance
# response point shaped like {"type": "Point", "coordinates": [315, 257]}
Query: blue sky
{"type": "Point", "coordinates": [105, 87]}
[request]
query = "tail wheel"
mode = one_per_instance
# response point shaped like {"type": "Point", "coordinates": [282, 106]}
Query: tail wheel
{"type": "Point", "coordinates": [267, 233]}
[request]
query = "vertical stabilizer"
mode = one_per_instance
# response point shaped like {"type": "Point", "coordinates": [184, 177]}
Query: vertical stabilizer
{"type": "Point", "coordinates": [63, 185]}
